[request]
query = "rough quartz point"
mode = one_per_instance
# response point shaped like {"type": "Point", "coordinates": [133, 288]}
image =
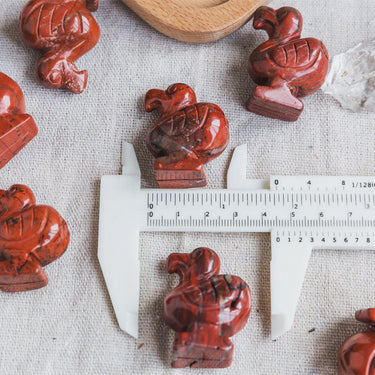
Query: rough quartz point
{"type": "Point", "coordinates": [351, 79]}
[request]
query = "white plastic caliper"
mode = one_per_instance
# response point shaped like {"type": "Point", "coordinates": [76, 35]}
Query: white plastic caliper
{"type": "Point", "coordinates": [302, 213]}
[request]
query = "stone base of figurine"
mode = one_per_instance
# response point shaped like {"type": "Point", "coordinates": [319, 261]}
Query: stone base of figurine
{"type": "Point", "coordinates": [16, 131]}
{"type": "Point", "coordinates": [25, 286]}
{"type": "Point", "coordinates": [171, 173]}
{"type": "Point", "coordinates": [16, 275]}
{"type": "Point", "coordinates": [208, 351]}
{"type": "Point", "coordinates": [276, 103]}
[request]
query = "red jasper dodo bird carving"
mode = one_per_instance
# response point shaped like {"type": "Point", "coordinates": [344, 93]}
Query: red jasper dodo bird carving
{"type": "Point", "coordinates": [186, 136]}
{"type": "Point", "coordinates": [16, 128]}
{"type": "Point", "coordinates": [205, 309]}
{"type": "Point", "coordinates": [285, 66]}
{"type": "Point", "coordinates": [65, 30]}
{"type": "Point", "coordinates": [31, 236]}
{"type": "Point", "coordinates": [357, 354]}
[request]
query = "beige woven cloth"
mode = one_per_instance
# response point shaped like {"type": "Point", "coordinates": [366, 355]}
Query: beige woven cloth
{"type": "Point", "coordinates": [69, 327]}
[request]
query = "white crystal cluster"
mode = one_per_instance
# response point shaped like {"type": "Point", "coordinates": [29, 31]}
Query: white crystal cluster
{"type": "Point", "coordinates": [351, 79]}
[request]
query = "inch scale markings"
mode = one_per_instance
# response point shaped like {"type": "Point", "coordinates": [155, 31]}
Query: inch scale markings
{"type": "Point", "coordinates": [302, 213]}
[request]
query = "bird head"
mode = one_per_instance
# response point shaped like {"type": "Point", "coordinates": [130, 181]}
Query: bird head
{"type": "Point", "coordinates": [283, 24]}
{"type": "Point", "coordinates": [200, 264]}
{"type": "Point", "coordinates": [15, 199]}
{"type": "Point", "coordinates": [174, 98]}
{"type": "Point", "coordinates": [11, 96]}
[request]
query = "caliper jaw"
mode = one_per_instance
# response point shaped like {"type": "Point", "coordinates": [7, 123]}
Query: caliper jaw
{"type": "Point", "coordinates": [288, 268]}
{"type": "Point", "coordinates": [119, 238]}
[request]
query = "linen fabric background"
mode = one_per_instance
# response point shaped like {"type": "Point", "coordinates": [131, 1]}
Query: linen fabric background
{"type": "Point", "coordinates": [69, 327]}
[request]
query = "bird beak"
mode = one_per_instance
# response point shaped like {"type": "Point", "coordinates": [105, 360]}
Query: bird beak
{"type": "Point", "coordinates": [154, 99]}
{"type": "Point", "coordinates": [177, 262]}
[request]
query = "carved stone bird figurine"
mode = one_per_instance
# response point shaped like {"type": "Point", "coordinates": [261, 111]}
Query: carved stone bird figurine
{"type": "Point", "coordinates": [16, 128]}
{"type": "Point", "coordinates": [64, 30]}
{"type": "Point", "coordinates": [31, 236]}
{"type": "Point", "coordinates": [357, 354]}
{"type": "Point", "coordinates": [186, 136]}
{"type": "Point", "coordinates": [286, 67]}
{"type": "Point", "coordinates": [205, 309]}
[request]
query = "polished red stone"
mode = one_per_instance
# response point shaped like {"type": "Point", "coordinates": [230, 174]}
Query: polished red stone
{"type": "Point", "coordinates": [357, 354]}
{"type": "Point", "coordinates": [31, 236]}
{"type": "Point", "coordinates": [64, 30]}
{"type": "Point", "coordinates": [186, 136]}
{"type": "Point", "coordinates": [17, 129]}
{"type": "Point", "coordinates": [205, 309]}
{"type": "Point", "coordinates": [286, 67]}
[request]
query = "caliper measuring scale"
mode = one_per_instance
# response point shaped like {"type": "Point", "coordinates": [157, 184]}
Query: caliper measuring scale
{"type": "Point", "coordinates": [302, 213]}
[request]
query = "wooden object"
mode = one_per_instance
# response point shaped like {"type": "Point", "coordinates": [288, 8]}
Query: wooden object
{"type": "Point", "coordinates": [205, 309]}
{"type": "Point", "coordinates": [286, 67]}
{"type": "Point", "coordinates": [17, 129]}
{"type": "Point", "coordinates": [31, 236]}
{"type": "Point", "coordinates": [357, 354]}
{"type": "Point", "coordinates": [64, 30]}
{"type": "Point", "coordinates": [187, 135]}
{"type": "Point", "coordinates": [197, 21]}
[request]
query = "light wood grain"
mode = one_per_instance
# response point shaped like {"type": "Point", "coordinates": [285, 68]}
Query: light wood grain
{"type": "Point", "coordinates": [196, 21]}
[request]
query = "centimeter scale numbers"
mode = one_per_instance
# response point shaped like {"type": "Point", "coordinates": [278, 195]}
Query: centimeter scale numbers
{"type": "Point", "coordinates": [320, 218]}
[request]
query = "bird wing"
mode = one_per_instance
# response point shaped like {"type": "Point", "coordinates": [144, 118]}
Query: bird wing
{"type": "Point", "coordinates": [186, 121]}
{"type": "Point", "coordinates": [216, 292]}
{"type": "Point", "coordinates": [296, 54]}
{"type": "Point", "coordinates": [23, 226]}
